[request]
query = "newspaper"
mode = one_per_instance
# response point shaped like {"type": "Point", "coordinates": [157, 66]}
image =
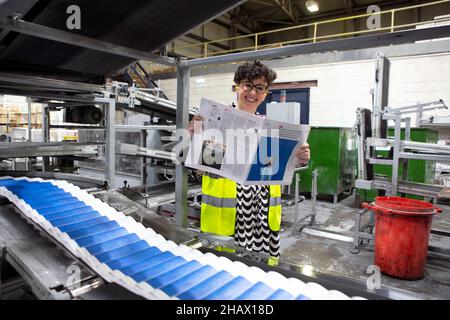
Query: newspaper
{"type": "Point", "coordinates": [244, 147]}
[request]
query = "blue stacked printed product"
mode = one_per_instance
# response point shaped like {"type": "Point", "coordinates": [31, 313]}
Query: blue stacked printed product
{"type": "Point", "coordinates": [121, 250]}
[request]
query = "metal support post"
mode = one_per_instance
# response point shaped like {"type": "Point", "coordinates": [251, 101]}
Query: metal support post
{"type": "Point", "coordinates": [297, 191]}
{"type": "Point", "coordinates": [144, 135]}
{"type": "Point", "coordinates": [379, 126]}
{"type": "Point", "coordinates": [312, 217]}
{"type": "Point", "coordinates": [110, 155]}
{"type": "Point", "coordinates": [182, 119]}
{"type": "Point", "coordinates": [314, 197]}
{"type": "Point", "coordinates": [27, 160]}
{"type": "Point", "coordinates": [356, 231]}
{"type": "Point", "coordinates": [29, 118]}
{"type": "Point", "coordinates": [407, 129]}
{"type": "Point", "coordinates": [407, 138]}
{"type": "Point", "coordinates": [46, 134]}
{"type": "Point", "coordinates": [297, 194]}
{"type": "Point", "coordinates": [419, 115]}
{"type": "Point", "coordinates": [395, 159]}
{"type": "Point", "coordinates": [45, 123]}
{"type": "Point", "coordinates": [362, 174]}
{"type": "Point", "coordinates": [2, 265]}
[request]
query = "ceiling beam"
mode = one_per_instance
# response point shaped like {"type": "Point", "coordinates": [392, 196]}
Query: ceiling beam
{"type": "Point", "coordinates": [14, 8]}
{"type": "Point", "coordinates": [266, 13]}
{"type": "Point", "coordinates": [349, 4]}
{"type": "Point", "coordinates": [242, 30]}
{"type": "Point", "coordinates": [201, 39]}
{"type": "Point", "coordinates": [44, 32]}
{"type": "Point", "coordinates": [264, 3]}
{"type": "Point", "coordinates": [289, 8]}
{"type": "Point", "coordinates": [288, 23]}
{"type": "Point", "coordinates": [238, 15]}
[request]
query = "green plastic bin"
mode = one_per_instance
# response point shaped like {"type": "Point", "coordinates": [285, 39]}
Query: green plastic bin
{"type": "Point", "coordinates": [333, 153]}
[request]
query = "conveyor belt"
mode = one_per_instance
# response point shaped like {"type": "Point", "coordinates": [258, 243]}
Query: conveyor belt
{"type": "Point", "coordinates": [123, 251]}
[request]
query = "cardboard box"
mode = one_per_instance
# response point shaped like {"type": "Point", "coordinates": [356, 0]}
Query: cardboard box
{"type": "Point", "coordinates": [4, 118]}
{"type": "Point", "coordinates": [20, 134]}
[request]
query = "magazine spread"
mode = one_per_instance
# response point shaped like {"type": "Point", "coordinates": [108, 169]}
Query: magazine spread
{"type": "Point", "coordinates": [244, 147]}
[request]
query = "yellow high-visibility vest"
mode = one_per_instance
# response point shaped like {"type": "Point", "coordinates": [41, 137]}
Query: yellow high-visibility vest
{"type": "Point", "coordinates": [218, 212]}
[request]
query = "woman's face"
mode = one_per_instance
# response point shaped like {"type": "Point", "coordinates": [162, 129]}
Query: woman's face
{"type": "Point", "coordinates": [251, 94]}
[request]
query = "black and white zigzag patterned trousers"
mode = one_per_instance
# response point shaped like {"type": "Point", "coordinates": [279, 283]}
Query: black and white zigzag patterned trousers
{"type": "Point", "coordinates": [252, 226]}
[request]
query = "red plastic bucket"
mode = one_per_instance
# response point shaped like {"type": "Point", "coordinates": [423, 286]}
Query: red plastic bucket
{"type": "Point", "coordinates": [402, 230]}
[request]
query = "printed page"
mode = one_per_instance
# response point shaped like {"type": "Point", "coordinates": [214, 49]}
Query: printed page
{"type": "Point", "coordinates": [227, 143]}
{"type": "Point", "coordinates": [275, 159]}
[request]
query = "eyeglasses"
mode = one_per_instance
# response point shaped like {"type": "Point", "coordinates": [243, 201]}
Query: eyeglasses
{"type": "Point", "coordinates": [259, 88]}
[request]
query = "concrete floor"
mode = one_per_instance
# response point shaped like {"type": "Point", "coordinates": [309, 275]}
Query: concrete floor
{"type": "Point", "coordinates": [332, 256]}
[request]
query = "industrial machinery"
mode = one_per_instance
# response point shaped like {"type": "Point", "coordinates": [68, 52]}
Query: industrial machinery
{"type": "Point", "coordinates": [401, 151]}
{"type": "Point", "coordinates": [105, 248]}
{"type": "Point", "coordinates": [396, 151]}
{"type": "Point", "coordinates": [97, 139]}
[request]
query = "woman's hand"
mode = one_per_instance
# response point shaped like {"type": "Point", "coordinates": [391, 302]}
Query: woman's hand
{"type": "Point", "coordinates": [303, 154]}
{"type": "Point", "coordinates": [195, 125]}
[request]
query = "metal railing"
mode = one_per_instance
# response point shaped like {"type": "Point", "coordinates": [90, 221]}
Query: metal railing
{"type": "Point", "coordinates": [207, 47]}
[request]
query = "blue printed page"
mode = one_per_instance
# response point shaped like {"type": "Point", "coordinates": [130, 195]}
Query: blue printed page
{"type": "Point", "coordinates": [274, 161]}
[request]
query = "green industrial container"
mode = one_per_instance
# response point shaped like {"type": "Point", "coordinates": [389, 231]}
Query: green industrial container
{"type": "Point", "coordinates": [418, 170]}
{"type": "Point", "coordinates": [333, 154]}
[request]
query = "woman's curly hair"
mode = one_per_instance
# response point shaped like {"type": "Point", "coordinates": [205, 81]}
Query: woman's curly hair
{"type": "Point", "coordinates": [254, 70]}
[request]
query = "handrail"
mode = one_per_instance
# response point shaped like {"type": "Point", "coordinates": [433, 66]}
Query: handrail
{"type": "Point", "coordinates": [315, 38]}
{"type": "Point", "coordinates": [265, 46]}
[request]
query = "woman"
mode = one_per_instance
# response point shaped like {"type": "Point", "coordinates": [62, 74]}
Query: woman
{"type": "Point", "coordinates": [252, 213]}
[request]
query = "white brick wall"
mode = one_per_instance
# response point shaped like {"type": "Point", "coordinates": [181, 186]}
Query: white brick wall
{"type": "Point", "coordinates": [343, 87]}
{"type": "Point", "coordinates": [420, 79]}
{"type": "Point", "coordinates": [216, 87]}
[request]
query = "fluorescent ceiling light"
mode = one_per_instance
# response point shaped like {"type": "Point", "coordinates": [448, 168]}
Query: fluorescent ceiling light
{"type": "Point", "coordinates": [312, 6]}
